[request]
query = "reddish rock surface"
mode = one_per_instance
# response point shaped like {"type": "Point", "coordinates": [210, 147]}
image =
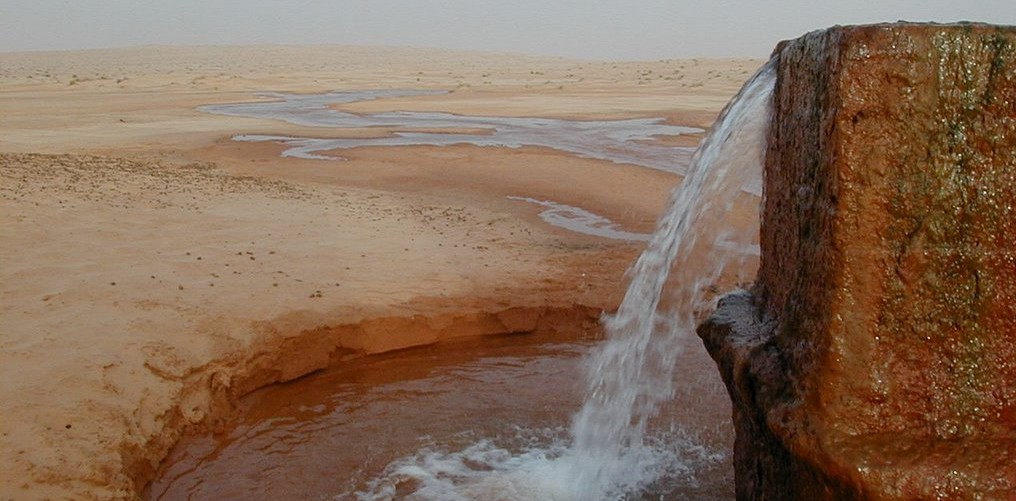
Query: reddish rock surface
{"type": "Point", "coordinates": [875, 358]}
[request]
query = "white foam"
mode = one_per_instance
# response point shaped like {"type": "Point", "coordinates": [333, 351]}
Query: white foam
{"type": "Point", "coordinates": [487, 472]}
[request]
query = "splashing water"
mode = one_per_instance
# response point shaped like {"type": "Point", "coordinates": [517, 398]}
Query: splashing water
{"type": "Point", "coordinates": [631, 374]}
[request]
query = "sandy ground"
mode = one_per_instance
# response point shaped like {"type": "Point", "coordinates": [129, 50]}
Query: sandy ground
{"type": "Point", "coordinates": [152, 270]}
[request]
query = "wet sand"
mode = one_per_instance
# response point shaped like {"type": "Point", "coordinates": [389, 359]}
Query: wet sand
{"type": "Point", "coordinates": [154, 270]}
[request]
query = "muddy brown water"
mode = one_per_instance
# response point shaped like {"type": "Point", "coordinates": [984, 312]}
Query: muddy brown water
{"type": "Point", "coordinates": [454, 409]}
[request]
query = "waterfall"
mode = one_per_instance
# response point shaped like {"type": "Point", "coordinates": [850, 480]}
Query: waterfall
{"type": "Point", "coordinates": [631, 373]}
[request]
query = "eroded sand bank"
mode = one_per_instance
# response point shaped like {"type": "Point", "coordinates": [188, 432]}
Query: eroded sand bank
{"type": "Point", "coordinates": [153, 270]}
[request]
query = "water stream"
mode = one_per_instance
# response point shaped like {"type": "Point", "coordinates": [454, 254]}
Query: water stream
{"type": "Point", "coordinates": [621, 141]}
{"type": "Point", "coordinates": [582, 221]}
{"type": "Point", "coordinates": [632, 374]}
{"type": "Point", "coordinates": [652, 419]}
{"type": "Point", "coordinates": [631, 141]}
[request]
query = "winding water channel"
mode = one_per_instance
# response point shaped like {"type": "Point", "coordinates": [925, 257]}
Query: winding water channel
{"type": "Point", "coordinates": [621, 141]}
{"type": "Point", "coordinates": [630, 141]}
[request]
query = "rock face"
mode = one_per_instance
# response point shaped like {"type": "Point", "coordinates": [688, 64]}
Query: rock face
{"type": "Point", "coordinates": [875, 357]}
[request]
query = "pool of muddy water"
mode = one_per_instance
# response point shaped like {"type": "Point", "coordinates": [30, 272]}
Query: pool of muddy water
{"type": "Point", "coordinates": [471, 419]}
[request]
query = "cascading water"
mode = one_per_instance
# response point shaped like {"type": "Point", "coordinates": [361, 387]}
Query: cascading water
{"type": "Point", "coordinates": [631, 374]}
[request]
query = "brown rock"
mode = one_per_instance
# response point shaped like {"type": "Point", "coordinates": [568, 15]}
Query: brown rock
{"type": "Point", "coordinates": [875, 358]}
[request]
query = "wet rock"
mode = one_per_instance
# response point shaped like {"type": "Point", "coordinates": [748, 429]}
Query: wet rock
{"type": "Point", "coordinates": [875, 358]}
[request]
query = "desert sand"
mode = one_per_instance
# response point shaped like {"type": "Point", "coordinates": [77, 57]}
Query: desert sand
{"type": "Point", "coordinates": [153, 270]}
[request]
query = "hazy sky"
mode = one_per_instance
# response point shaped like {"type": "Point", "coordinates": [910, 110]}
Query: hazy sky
{"type": "Point", "coordinates": [600, 29]}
